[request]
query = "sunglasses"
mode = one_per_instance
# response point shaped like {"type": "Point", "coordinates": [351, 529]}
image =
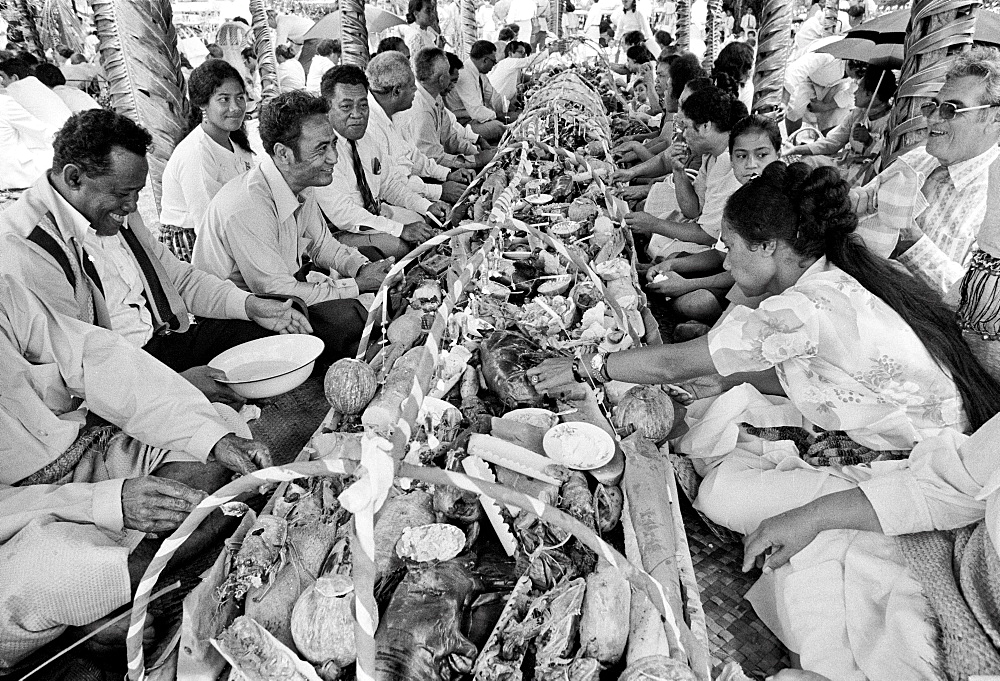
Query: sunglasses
{"type": "Point", "coordinates": [947, 111]}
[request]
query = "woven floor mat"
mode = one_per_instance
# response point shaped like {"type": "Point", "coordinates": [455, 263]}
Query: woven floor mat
{"type": "Point", "coordinates": [734, 630]}
{"type": "Point", "coordinates": [288, 421]}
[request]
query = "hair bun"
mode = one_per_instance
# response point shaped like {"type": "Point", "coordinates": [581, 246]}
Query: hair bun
{"type": "Point", "coordinates": [822, 197]}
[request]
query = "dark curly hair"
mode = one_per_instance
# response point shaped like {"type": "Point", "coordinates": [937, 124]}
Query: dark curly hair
{"type": "Point", "coordinates": [735, 60]}
{"type": "Point", "coordinates": [87, 139]}
{"type": "Point", "coordinates": [810, 210]}
{"type": "Point", "coordinates": [640, 54]}
{"type": "Point", "coordinates": [712, 105]}
{"type": "Point", "coordinates": [682, 69]}
{"type": "Point", "coordinates": [413, 8]}
{"type": "Point", "coordinates": [281, 119]}
{"type": "Point", "coordinates": [345, 74]}
{"type": "Point", "coordinates": [392, 44]}
{"type": "Point", "coordinates": [202, 84]}
{"type": "Point", "coordinates": [633, 38]}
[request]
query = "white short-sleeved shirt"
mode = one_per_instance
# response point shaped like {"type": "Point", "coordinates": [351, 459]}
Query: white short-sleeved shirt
{"type": "Point", "coordinates": [198, 168]}
{"type": "Point", "coordinates": [847, 361]}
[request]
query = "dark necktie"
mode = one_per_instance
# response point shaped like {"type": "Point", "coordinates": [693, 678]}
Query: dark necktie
{"type": "Point", "coordinates": [372, 205]}
{"type": "Point", "coordinates": [159, 306]}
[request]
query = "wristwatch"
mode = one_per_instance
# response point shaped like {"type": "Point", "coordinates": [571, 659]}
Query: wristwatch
{"type": "Point", "coordinates": [598, 366]}
{"type": "Point", "coordinates": [577, 374]}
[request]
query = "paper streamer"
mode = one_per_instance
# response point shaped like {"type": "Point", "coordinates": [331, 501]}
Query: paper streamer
{"type": "Point", "coordinates": [242, 485]}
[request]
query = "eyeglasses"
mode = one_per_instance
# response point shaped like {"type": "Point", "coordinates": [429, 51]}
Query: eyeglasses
{"type": "Point", "coordinates": [947, 110]}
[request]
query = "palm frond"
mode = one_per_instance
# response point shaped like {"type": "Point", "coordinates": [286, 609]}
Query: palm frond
{"type": "Point", "coordinates": [468, 30]}
{"type": "Point", "coordinates": [354, 33]}
{"type": "Point", "coordinates": [21, 15]}
{"type": "Point", "coordinates": [713, 24]}
{"type": "Point", "coordinates": [772, 55]}
{"type": "Point", "coordinates": [831, 11]}
{"type": "Point", "coordinates": [61, 25]}
{"type": "Point", "coordinates": [138, 46]}
{"type": "Point", "coordinates": [263, 46]}
{"type": "Point", "coordinates": [683, 25]}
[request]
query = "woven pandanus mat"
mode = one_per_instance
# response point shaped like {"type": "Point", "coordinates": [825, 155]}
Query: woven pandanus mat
{"type": "Point", "coordinates": [288, 421]}
{"type": "Point", "coordinates": [734, 630]}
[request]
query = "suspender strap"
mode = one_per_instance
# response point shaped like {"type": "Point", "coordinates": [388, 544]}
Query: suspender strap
{"type": "Point", "coordinates": [48, 243]}
{"type": "Point", "coordinates": [159, 306]}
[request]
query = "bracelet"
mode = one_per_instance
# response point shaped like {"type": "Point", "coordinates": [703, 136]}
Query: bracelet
{"type": "Point", "coordinates": [577, 375]}
{"type": "Point", "coordinates": [605, 374]}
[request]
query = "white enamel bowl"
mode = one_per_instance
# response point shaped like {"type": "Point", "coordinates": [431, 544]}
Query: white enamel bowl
{"type": "Point", "coordinates": [269, 366]}
{"type": "Point", "coordinates": [580, 446]}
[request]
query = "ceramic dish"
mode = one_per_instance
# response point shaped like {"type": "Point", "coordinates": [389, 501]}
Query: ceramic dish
{"type": "Point", "coordinates": [580, 446]}
{"type": "Point", "coordinates": [269, 366]}
{"type": "Point", "coordinates": [533, 416]}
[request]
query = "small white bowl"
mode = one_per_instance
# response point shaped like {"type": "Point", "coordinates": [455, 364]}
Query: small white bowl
{"type": "Point", "coordinates": [538, 199]}
{"type": "Point", "coordinates": [269, 366]}
{"type": "Point", "coordinates": [580, 446]}
{"type": "Point", "coordinates": [533, 416]}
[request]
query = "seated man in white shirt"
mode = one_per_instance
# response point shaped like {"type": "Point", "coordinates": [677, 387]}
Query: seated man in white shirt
{"type": "Point", "coordinates": [471, 100]}
{"type": "Point", "coordinates": [391, 90]}
{"type": "Point", "coordinates": [429, 124]}
{"type": "Point", "coordinates": [369, 199]}
{"type": "Point", "coordinates": [37, 99]}
{"type": "Point", "coordinates": [327, 56]}
{"type": "Point", "coordinates": [76, 99]}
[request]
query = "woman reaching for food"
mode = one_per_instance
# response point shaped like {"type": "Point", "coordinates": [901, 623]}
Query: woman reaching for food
{"type": "Point", "coordinates": [870, 360]}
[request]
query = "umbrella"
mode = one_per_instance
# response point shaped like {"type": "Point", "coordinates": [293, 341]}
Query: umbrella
{"type": "Point", "coordinates": [889, 55]}
{"type": "Point", "coordinates": [377, 20]}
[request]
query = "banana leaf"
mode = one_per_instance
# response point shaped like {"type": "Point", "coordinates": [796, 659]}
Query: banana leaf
{"type": "Point", "coordinates": [263, 46]}
{"type": "Point", "coordinates": [21, 15]}
{"type": "Point", "coordinates": [138, 47]}
{"type": "Point", "coordinates": [61, 25]}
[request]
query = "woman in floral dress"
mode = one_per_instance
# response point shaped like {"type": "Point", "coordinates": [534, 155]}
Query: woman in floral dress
{"type": "Point", "coordinates": [832, 380]}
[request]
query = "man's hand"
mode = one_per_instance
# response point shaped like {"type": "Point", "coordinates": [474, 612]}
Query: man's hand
{"type": "Point", "coordinates": [203, 378]}
{"type": "Point", "coordinates": [152, 504]}
{"type": "Point", "coordinates": [662, 267]}
{"type": "Point", "coordinates": [623, 176]}
{"type": "Point", "coordinates": [461, 175]}
{"type": "Point", "coordinates": [239, 455]}
{"type": "Point", "coordinates": [439, 209]}
{"type": "Point", "coordinates": [642, 222]}
{"type": "Point", "coordinates": [672, 285]}
{"type": "Point", "coordinates": [451, 192]}
{"type": "Point", "coordinates": [861, 134]}
{"type": "Point", "coordinates": [552, 374]}
{"type": "Point", "coordinates": [276, 315]}
{"type": "Point", "coordinates": [484, 157]}
{"type": "Point", "coordinates": [417, 232]}
{"type": "Point", "coordinates": [635, 193]}
{"type": "Point", "coordinates": [678, 155]}
{"type": "Point", "coordinates": [777, 539]}
{"type": "Point", "coordinates": [371, 276]}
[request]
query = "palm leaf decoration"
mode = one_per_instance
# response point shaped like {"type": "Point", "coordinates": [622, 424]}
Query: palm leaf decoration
{"type": "Point", "coordinates": [683, 25]}
{"type": "Point", "coordinates": [138, 46]}
{"type": "Point", "coordinates": [61, 25]}
{"type": "Point", "coordinates": [938, 30]}
{"type": "Point", "coordinates": [772, 55]}
{"type": "Point", "coordinates": [831, 11]}
{"type": "Point", "coordinates": [713, 24]}
{"type": "Point", "coordinates": [353, 33]}
{"type": "Point", "coordinates": [21, 14]}
{"type": "Point", "coordinates": [468, 29]}
{"type": "Point", "coordinates": [263, 46]}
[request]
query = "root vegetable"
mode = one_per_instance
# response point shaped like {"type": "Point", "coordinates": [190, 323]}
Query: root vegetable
{"type": "Point", "coordinates": [608, 504]}
{"type": "Point", "coordinates": [604, 624]}
{"type": "Point", "coordinates": [322, 622]}
{"type": "Point", "coordinates": [383, 411]}
{"type": "Point", "coordinates": [257, 656]}
{"type": "Point", "coordinates": [398, 513]}
{"type": "Point", "coordinates": [258, 558]}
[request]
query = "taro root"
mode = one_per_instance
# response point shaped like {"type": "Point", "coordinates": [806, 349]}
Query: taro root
{"type": "Point", "coordinates": [322, 622]}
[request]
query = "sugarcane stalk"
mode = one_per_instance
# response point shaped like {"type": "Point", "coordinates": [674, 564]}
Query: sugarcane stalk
{"type": "Point", "coordinates": [20, 13]}
{"type": "Point", "coordinates": [936, 33]}
{"type": "Point", "coordinates": [138, 48]}
{"type": "Point", "coordinates": [713, 22]}
{"type": "Point", "coordinates": [468, 30]}
{"type": "Point", "coordinates": [683, 25]}
{"type": "Point", "coordinates": [353, 33]}
{"type": "Point", "coordinates": [263, 47]}
{"type": "Point", "coordinates": [775, 43]}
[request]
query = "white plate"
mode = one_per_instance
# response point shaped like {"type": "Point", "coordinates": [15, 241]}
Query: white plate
{"type": "Point", "coordinates": [517, 255]}
{"type": "Point", "coordinates": [538, 199]}
{"type": "Point", "coordinates": [533, 416]}
{"type": "Point", "coordinates": [269, 366]}
{"type": "Point", "coordinates": [580, 446]}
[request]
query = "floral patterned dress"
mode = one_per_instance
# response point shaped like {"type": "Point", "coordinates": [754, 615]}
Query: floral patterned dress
{"type": "Point", "coordinates": [847, 361]}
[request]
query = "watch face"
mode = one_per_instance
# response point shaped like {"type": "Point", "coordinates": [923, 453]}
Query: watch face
{"type": "Point", "coordinates": [596, 362]}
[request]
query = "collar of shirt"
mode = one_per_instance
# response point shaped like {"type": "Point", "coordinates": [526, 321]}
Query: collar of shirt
{"type": "Point", "coordinates": [427, 100]}
{"type": "Point", "coordinates": [377, 117]}
{"type": "Point", "coordinates": [285, 201]}
{"type": "Point", "coordinates": [962, 174]}
{"type": "Point", "coordinates": [67, 217]}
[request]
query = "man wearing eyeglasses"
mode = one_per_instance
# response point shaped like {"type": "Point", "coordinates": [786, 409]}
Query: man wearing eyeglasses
{"type": "Point", "coordinates": [935, 202]}
{"type": "Point", "coordinates": [471, 100]}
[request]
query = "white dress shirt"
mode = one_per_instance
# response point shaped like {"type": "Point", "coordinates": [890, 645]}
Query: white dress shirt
{"type": "Point", "coordinates": [40, 102]}
{"type": "Point", "coordinates": [25, 145]}
{"type": "Point", "coordinates": [76, 99]}
{"type": "Point", "coordinates": [433, 128]}
{"type": "Point", "coordinates": [341, 201]}
{"type": "Point", "coordinates": [291, 75]}
{"type": "Point", "coordinates": [414, 163]}
{"type": "Point", "coordinates": [198, 168]}
{"type": "Point", "coordinates": [317, 67]}
{"type": "Point", "coordinates": [472, 95]}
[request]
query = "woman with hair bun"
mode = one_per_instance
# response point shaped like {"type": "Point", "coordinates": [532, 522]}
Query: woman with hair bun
{"type": "Point", "coordinates": [215, 151]}
{"type": "Point", "coordinates": [420, 30]}
{"type": "Point", "coordinates": [849, 362]}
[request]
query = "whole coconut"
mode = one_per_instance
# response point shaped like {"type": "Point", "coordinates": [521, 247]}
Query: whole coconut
{"type": "Point", "coordinates": [648, 409]}
{"type": "Point", "coordinates": [349, 385]}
